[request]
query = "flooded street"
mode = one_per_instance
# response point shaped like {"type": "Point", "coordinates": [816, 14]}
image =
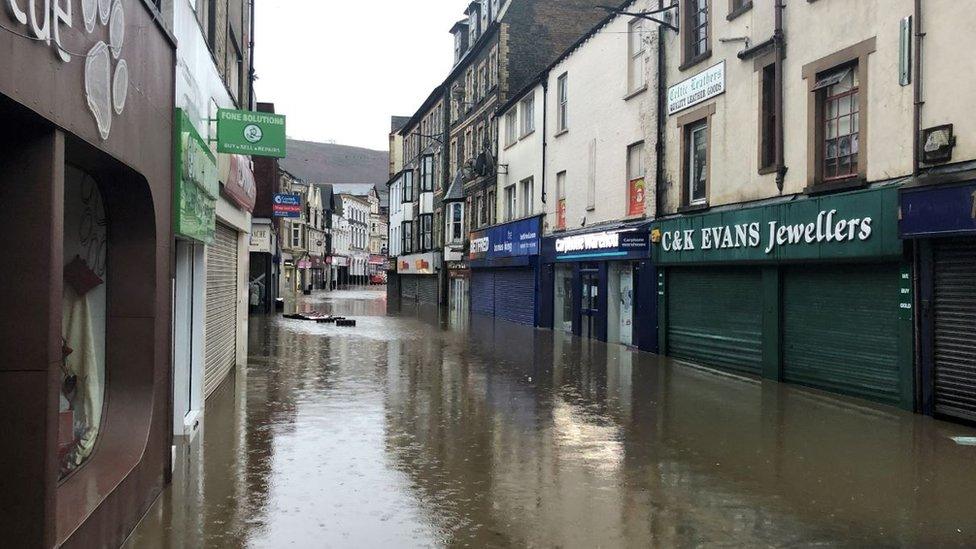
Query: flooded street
{"type": "Point", "coordinates": [422, 430]}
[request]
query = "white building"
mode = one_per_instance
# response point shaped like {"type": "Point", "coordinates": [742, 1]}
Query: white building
{"type": "Point", "coordinates": [211, 277]}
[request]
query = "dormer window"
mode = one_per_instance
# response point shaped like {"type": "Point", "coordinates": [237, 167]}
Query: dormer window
{"type": "Point", "coordinates": [474, 22]}
{"type": "Point", "coordinates": [460, 32]}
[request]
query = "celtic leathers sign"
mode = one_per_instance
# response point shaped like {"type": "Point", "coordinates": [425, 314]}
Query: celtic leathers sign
{"type": "Point", "coordinates": [106, 73]}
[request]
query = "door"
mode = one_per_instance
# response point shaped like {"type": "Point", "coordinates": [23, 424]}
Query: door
{"type": "Point", "coordinates": [625, 304]}
{"type": "Point", "coordinates": [589, 311]}
{"type": "Point", "coordinates": [954, 314]}
{"type": "Point", "coordinates": [840, 329]}
{"type": "Point", "coordinates": [714, 317]}
{"type": "Point", "coordinates": [221, 324]}
{"type": "Point", "coordinates": [563, 299]}
{"type": "Point", "coordinates": [184, 317]}
{"type": "Point", "coordinates": [458, 291]}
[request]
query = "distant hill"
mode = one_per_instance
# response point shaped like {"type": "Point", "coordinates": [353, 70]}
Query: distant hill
{"type": "Point", "coordinates": [328, 163]}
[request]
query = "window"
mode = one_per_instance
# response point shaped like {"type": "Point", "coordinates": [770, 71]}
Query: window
{"type": "Point", "coordinates": [562, 92]}
{"type": "Point", "coordinates": [636, 69]}
{"type": "Point", "coordinates": [635, 179]}
{"type": "Point", "coordinates": [482, 81]}
{"type": "Point", "coordinates": [840, 114]}
{"type": "Point", "coordinates": [455, 222]}
{"type": "Point", "coordinates": [296, 235]}
{"type": "Point", "coordinates": [510, 203]}
{"type": "Point", "coordinates": [482, 210]}
{"type": "Point", "coordinates": [408, 186]}
{"type": "Point", "coordinates": [767, 119]}
{"type": "Point", "coordinates": [491, 207]}
{"type": "Point", "coordinates": [738, 7]}
{"type": "Point", "coordinates": [528, 115]}
{"type": "Point", "coordinates": [528, 190]}
{"type": "Point", "coordinates": [696, 30]}
{"type": "Point", "coordinates": [468, 144]}
{"type": "Point", "coordinates": [561, 200]}
{"type": "Point", "coordinates": [511, 126]}
{"type": "Point", "coordinates": [697, 162]}
{"type": "Point", "coordinates": [493, 69]}
{"type": "Point", "coordinates": [407, 234]}
{"type": "Point", "coordinates": [426, 232]}
{"type": "Point", "coordinates": [427, 173]}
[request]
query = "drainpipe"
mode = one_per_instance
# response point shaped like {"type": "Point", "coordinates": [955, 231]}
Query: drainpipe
{"type": "Point", "coordinates": [917, 91]}
{"type": "Point", "coordinates": [661, 119]}
{"type": "Point", "coordinates": [779, 44]}
{"type": "Point", "coordinates": [545, 140]}
{"type": "Point", "coordinates": [250, 68]}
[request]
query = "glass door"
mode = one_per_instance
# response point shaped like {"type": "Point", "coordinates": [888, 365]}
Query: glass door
{"type": "Point", "coordinates": [588, 310]}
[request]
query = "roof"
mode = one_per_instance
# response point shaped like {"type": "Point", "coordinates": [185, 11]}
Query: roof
{"type": "Point", "coordinates": [455, 192]}
{"type": "Point", "coordinates": [461, 23]}
{"type": "Point", "coordinates": [331, 163]}
{"type": "Point", "coordinates": [397, 122]}
{"type": "Point", "coordinates": [435, 95]}
{"type": "Point", "coordinates": [352, 189]}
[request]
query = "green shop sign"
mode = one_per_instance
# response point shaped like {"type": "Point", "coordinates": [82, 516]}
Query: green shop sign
{"type": "Point", "coordinates": [196, 186]}
{"type": "Point", "coordinates": [853, 225]}
{"type": "Point", "coordinates": [250, 133]}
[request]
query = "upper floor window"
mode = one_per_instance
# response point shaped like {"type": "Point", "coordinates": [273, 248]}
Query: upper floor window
{"type": "Point", "coordinates": [426, 232]}
{"type": "Point", "coordinates": [528, 193]}
{"type": "Point", "coordinates": [510, 202]}
{"type": "Point", "coordinates": [840, 106]}
{"type": "Point", "coordinates": [511, 126]}
{"type": "Point", "coordinates": [635, 179]}
{"type": "Point", "coordinates": [455, 222]}
{"type": "Point", "coordinates": [408, 186]}
{"type": "Point", "coordinates": [491, 206]}
{"type": "Point", "coordinates": [406, 245]}
{"type": "Point", "coordinates": [697, 41]}
{"type": "Point", "coordinates": [696, 136]}
{"type": "Point", "coordinates": [562, 92]}
{"type": "Point", "coordinates": [636, 77]}
{"type": "Point", "coordinates": [427, 173]}
{"type": "Point", "coordinates": [561, 200]}
{"type": "Point", "coordinates": [528, 115]}
{"type": "Point", "coordinates": [767, 119]}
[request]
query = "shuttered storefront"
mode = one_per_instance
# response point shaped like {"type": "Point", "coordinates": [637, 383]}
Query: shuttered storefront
{"type": "Point", "coordinates": [482, 293]}
{"type": "Point", "coordinates": [221, 324]}
{"type": "Point", "coordinates": [427, 290]}
{"type": "Point", "coordinates": [715, 317]}
{"type": "Point", "coordinates": [515, 295]}
{"type": "Point", "coordinates": [408, 287]}
{"type": "Point", "coordinates": [955, 327]}
{"type": "Point", "coordinates": [840, 329]}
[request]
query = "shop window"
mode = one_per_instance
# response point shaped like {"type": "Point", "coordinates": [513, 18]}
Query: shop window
{"type": "Point", "coordinates": [82, 378]}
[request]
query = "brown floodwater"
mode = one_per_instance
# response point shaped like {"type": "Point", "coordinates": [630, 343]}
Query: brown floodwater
{"type": "Point", "coordinates": [419, 429]}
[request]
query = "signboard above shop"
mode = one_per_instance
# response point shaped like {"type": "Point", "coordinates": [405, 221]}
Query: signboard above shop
{"type": "Point", "coordinates": [619, 244]}
{"type": "Point", "coordinates": [859, 224]}
{"type": "Point", "coordinates": [238, 177]}
{"type": "Point", "coordinates": [287, 205]}
{"type": "Point", "coordinates": [251, 133]}
{"type": "Point", "coordinates": [515, 239]}
{"type": "Point", "coordinates": [938, 211]}
{"type": "Point", "coordinates": [196, 185]}
{"type": "Point", "coordinates": [697, 89]}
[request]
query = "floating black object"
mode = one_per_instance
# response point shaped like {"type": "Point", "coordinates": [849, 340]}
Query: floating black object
{"type": "Point", "coordinates": [346, 323]}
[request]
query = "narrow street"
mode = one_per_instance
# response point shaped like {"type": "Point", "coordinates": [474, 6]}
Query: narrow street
{"type": "Point", "coordinates": [413, 430]}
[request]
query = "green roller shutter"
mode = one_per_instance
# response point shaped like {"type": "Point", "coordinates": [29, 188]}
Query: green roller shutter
{"type": "Point", "coordinates": [840, 329]}
{"type": "Point", "coordinates": [715, 317]}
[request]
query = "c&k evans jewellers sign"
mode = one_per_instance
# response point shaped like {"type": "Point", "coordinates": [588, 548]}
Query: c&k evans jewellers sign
{"type": "Point", "coordinates": [853, 225]}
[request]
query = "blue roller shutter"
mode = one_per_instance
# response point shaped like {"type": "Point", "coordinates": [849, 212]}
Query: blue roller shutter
{"type": "Point", "coordinates": [482, 293]}
{"type": "Point", "coordinates": [515, 295]}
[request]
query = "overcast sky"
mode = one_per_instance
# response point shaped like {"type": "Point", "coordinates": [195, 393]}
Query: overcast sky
{"type": "Point", "coordinates": [339, 69]}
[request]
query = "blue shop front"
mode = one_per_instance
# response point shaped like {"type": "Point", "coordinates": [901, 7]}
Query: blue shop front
{"type": "Point", "coordinates": [504, 262]}
{"type": "Point", "coordinates": [941, 221]}
{"type": "Point", "coordinates": [599, 283]}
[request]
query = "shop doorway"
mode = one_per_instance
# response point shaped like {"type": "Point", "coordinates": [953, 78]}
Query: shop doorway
{"type": "Point", "coordinates": [589, 309]}
{"type": "Point", "coordinates": [620, 304]}
{"type": "Point", "coordinates": [563, 299]}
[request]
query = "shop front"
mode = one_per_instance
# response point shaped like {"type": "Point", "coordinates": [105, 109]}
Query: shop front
{"type": "Point", "coordinates": [418, 275]}
{"type": "Point", "coordinates": [340, 270]}
{"type": "Point", "coordinates": [263, 282]}
{"type": "Point", "coordinates": [812, 291]}
{"type": "Point", "coordinates": [504, 263]}
{"type": "Point", "coordinates": [942, 223]}
{"type": "Point", "coordinates": [86, 203]}
{"type": "Point", "coordinates": [599, 284]}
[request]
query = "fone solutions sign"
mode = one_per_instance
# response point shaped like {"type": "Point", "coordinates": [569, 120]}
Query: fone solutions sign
{"type": "Point", "coordinates": [251, 133]}
{"type": "Point", "coordinates": [854, 225]}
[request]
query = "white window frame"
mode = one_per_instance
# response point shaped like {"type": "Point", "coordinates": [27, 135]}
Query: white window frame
{"type": "Point", "coordinates": [511, 202]}
{"type": "Point", "coordinates": [527, 106]}
{"type": "Point", "coordinates": [702, 129]}
{"type": "Point", "coordinates": [562, 105]}
{"type": "Point", "coordinates": [511, 126]}
{"type": "Point", "coordinates": [528, 196]}
{"type": "Point", "coordinates": [636, 62]}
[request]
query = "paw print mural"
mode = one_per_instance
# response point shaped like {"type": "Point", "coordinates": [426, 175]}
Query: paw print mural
{"type": "Point", "coordinates": [106, 87]}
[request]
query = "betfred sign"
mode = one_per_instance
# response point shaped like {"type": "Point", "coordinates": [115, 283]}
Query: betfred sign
{"type": "Point", "coordinates": [287, 205]}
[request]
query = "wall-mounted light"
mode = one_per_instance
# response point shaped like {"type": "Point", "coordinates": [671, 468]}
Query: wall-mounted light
{"type": "Point", "coordinates": [656, 236]}
{"type": "Point", "coordinates": [937, 144]}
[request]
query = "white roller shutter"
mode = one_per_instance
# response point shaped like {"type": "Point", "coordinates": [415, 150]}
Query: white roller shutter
{"type": "Point", "coordinates": [221, 328]}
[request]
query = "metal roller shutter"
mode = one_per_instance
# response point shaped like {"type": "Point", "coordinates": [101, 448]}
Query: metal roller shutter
{"type": "Point", "coordinates": [715, 317]}
{"type": "Point", "coordinates": [221, 321]}
{"type": "Point", "coordinates": [408, 287]}
{"type": "Point", "coordinates": [482, 293]}
{"type": "Point", "coordinates": [515, 295]}
{"type": "Point", "coordinates": [840, 329]}
{"type": "Point", "coordinates": [955, 328]}
{"type": "Point", "coordinates": [427, 290]}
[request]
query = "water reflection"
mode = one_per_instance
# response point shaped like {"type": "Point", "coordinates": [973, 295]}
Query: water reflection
{"type": "Point", "coordinates": [419, 429]}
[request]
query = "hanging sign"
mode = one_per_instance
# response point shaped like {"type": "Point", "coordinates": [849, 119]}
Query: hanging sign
{"type": "Point", "coordinates": [287, 205]}
{"type": "Point", "coordinates": [701, 87]}
{"type": "Point", "coordinates": [251, 133]}
{"type": "Point", "coordinates": [196, 185]}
